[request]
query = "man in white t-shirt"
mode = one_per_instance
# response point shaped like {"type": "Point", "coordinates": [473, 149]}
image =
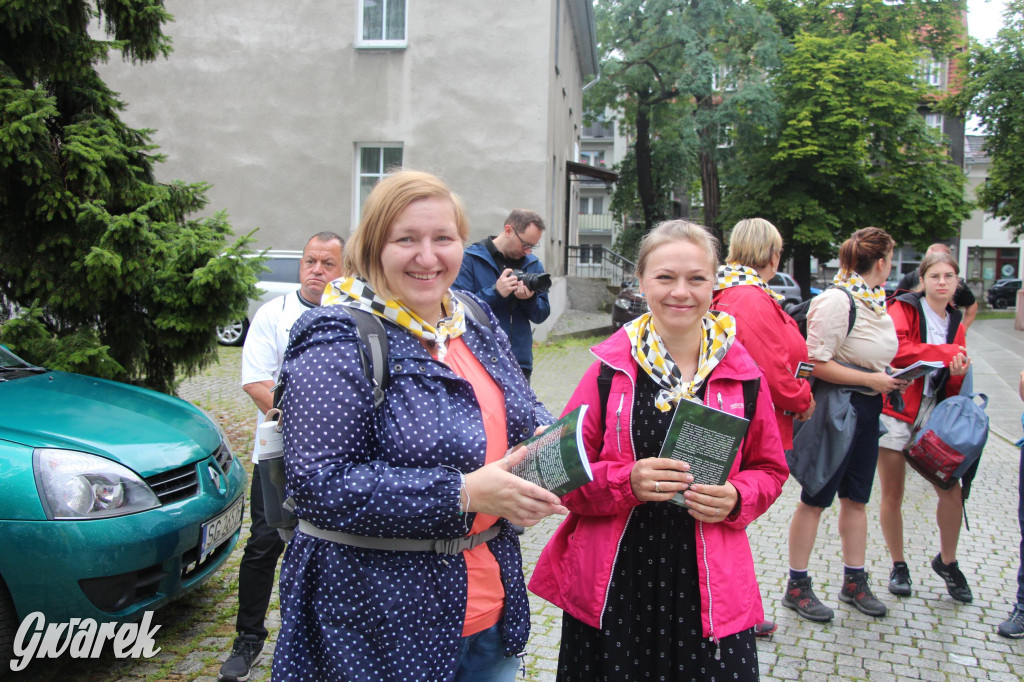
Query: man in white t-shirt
{"type": "Point", "coordinates": [262, 357]}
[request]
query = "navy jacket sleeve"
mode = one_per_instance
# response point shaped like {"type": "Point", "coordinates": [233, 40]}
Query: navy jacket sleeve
{"type": "Point", "coordinates": [478, 279]}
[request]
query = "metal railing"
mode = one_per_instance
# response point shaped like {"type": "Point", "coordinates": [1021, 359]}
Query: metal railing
{"type": "Point", "coordinates": [594, 260]}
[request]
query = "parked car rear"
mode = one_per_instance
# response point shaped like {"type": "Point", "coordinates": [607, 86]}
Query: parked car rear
{"type": "Point", "coordinates": [629, 304]}
{"type": "Point", "coordinates": [1003, 293]}
{"type": "Point", "coordinates": [280, 277]}
{"type": "Point", "coordinates": [786, 286]}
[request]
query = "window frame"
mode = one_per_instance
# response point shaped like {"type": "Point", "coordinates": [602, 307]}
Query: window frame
{"type": "Point", "coordinates": [358, 174]}
{"type": "Point", "coordinates": [382, 43]}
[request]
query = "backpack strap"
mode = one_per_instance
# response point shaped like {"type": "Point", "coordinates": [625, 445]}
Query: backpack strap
{"type": "Point", "coordinates": [604, 389]}
{"type": "Point", "coordinates": [373, 351]}
{"type": "Point", "coordinates": [751, 387]}
{"type": "Point", "coordinates": [853, 310]}
{"type": "Point", "coordinates": [474, 309]}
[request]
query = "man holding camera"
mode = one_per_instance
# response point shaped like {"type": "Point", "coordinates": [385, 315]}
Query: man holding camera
{"type": "Point", "coordinates": [504, 273]}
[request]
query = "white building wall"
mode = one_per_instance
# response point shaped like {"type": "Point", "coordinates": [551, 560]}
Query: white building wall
{"type": "Point", "coordinates": [267, 101]}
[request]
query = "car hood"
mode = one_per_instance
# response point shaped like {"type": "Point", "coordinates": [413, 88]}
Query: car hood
{"type": "Point", "coordinates": [146, 431]}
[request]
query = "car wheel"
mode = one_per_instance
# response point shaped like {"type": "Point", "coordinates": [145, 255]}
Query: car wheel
{"type": "Point", "coordinates": [789, 302]}
{"type": "Point", "coordinates": [8, 625]}
{"type": "Point", "coordinates": [998, 303]}
{"type": "Point", "coordinates": [232, 334]}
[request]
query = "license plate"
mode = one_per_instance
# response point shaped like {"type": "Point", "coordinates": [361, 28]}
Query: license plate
{"type": "Point", "coordinates": [220, 528]}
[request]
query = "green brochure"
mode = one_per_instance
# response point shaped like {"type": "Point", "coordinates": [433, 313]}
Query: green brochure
{"type": "Point", "coordinates": [706, 438]}
{"type": "Point", "coordinates": [556, 459]}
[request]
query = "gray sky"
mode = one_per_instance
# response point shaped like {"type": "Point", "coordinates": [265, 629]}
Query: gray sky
{"type": "Point", "coordinates": [984, 18]}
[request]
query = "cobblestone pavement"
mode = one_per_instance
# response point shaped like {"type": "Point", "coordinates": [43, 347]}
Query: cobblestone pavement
{"type": "Point", "coordinates": [927, 636]}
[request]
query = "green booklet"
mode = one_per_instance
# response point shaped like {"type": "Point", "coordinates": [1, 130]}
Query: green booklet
{"type": "Point", "coordinates": [706, 438]}
{"type": "Point", "coordinates": [556, 459]}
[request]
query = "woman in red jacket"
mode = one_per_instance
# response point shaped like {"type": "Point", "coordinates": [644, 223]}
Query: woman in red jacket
{"type": "Point", "coordinates": [768, 333]}
{"type": "Point", "coordinates": [928, 328]}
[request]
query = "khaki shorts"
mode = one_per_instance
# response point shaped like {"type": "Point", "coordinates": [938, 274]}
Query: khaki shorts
{"type": "Point", "coordinates": [901, 434]}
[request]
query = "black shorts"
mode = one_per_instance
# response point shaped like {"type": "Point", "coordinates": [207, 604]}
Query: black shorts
{"type": "Point", "coordinates": [855, 476]}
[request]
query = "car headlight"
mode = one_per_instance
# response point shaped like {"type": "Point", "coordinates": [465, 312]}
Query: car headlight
{"type": "Point", "coordinates": [622, 303]}
{"type": "Point", "coordinates": [78, 485]}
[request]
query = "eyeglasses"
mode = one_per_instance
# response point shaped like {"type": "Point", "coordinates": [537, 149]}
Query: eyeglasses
{"type": "Point", "coordinates": [526, 246]}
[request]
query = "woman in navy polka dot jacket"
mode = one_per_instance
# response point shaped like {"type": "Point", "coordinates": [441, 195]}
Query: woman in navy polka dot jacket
{"type": "Point", "coordinates": [358, 601]}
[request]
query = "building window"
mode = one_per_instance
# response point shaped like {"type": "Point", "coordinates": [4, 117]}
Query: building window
{"type": "Point", "coordinates": [593, 158]}
{"type": "Point", "coordinates": [722, 79]}
{"type": "Point", "coordinates": [382, 23]}
{"type": "Point", "coordinates": [933, 121]}
{"type": "Point", "coordinates": [591, 205]}
{"type": "Point", "coordinates": [375, 160]}
{"type": "Point", "coordinates": [930, 71]}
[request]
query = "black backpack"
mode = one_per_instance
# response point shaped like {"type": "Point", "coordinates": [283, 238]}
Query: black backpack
{"type": "Point", "coordinates": [799, 311]}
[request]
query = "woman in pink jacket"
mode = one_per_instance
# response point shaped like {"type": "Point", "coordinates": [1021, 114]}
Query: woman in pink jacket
{"type": "Point", "coordinates": [650, 588]}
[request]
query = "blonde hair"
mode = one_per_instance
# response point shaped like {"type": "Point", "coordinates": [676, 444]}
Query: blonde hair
{"type": "Point", "coordinates": [389, 198]}
{"type": "Point", "coordinates": [673, 231]}
{"type": "Point", "coordinates": [753, 242]}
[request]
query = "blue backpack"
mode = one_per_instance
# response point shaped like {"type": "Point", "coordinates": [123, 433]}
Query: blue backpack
{"type": "Point", "coordinates": [951, 441]}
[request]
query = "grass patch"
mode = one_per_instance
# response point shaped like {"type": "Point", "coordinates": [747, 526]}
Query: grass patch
{"type": "Point", "coordinates": [563, 343]}
{"type": "Point", "coordinates": [995, 315]}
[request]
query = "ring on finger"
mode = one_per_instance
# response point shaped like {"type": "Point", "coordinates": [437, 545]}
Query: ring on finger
{"type": "Point", "coordinates": [716, 512]}
{"type": "Point", "coordinates": [657, 487]}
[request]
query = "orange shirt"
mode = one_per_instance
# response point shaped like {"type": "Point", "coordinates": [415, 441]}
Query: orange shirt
{"type": "Point", "coordinates": [486, 595]}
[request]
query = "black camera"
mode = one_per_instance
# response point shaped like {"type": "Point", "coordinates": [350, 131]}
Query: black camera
{"type": "Point", "coordinates": [534, 281]}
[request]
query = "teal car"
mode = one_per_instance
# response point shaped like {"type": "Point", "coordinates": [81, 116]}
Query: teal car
{"type": "Point", "coordinates": [113, 499]}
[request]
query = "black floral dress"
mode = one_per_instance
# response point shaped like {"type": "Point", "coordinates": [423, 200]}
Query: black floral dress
{"type": "Point", "coordinates": [652, 622]}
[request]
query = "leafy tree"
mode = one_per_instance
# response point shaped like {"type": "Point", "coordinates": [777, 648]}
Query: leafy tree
{"type": "Point", "coordinates": [995, 93]}
{"type": "Point", "coordinates": [687, 76]}
{"type": "Point", "coordinates": [851, 149]}
{"type": "Point", "coordinates": [100, 265]}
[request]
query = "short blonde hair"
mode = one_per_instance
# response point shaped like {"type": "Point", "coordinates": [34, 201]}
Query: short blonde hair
{"type": "Point", "coordinates": [387, 200]}
{"type": "Point", "coordinates": [753, 242]}
{"type": "Point", "coordinates": [673, 231]}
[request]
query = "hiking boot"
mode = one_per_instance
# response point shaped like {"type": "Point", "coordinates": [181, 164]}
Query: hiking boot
{"type": "Point", "coordinates": [956, 583]}
{"type": "Point", "coordinates": [856, 592]}
{"type": "Point", "coordinates": [765, 628]}
{"type": "Point", "coordinates": [244, 654]}
{"type": "Point", "coordinates": [1013, 627]}
{"type": "Point", "coordinates": [800, 597]}
{"type": "Point", "coordinates": [899, 579]}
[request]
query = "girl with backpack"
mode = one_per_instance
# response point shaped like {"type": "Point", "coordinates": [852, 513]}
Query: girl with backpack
{"type": "Point", "coordinates": [928, 328]}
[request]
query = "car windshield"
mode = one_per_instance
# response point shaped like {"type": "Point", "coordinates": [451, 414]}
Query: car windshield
{"type": "Point", "coordinates": [11, 363]}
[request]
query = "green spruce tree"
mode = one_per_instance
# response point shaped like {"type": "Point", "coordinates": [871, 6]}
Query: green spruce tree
{"type": "Point", "coordinates": [102, 269]}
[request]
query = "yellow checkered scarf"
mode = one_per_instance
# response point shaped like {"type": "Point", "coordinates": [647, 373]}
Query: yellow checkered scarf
{"type": "Point", "coordinates": [858, 288]}
{"type": "Point", "coordinates": [734, 274]}
{"type": "Point", "coordinates": [649, 352]}
{"type": "Point", "coordinates": [358, 293]}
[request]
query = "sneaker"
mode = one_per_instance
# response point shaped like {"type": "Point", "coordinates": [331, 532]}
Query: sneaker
{"type": "Point", "coordinates": [244, 655]}
{"type": "Point", "coordinates": [899, 579]}
{"type": "Point", "coordinates": [1013, 627]}
{"type": "Point", "coordinates": [765, 628]}
{"type": "Point", "coordinates": [856, 592]}
{"type": "Point", "coordinates": [800, 597]}
{"type": "Point", "coordinates": [956, 583]}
